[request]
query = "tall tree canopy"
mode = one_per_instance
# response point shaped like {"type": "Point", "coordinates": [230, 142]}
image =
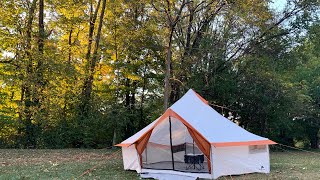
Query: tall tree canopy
{"type": "Point", "coordinates": [89, 73]}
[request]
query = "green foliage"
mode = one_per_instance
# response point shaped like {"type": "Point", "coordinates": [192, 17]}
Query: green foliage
{"type": "Point", "coordinates": [255, 65]}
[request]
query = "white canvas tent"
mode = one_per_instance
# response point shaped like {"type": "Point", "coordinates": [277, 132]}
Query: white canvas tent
{"type": "Point", "coordinates": [192, 140]}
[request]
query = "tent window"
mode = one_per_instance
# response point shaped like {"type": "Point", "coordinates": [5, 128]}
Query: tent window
{"type": "Point", "coordinates": [257, 149]}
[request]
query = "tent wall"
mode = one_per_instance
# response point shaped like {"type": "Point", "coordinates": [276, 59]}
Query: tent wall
{"type": "Point", "coordinates": [237, 160]}
{"type": "Point", "coordinates": [131, 158]}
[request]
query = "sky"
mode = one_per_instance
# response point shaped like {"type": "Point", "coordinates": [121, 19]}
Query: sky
{"type": "Point", "coordinates": [278, 4]}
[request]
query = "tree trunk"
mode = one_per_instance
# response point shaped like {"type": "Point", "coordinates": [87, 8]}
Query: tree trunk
{"type": "Point", "coordinates": [27, 84]}
{"type": "Point", "coordinates": [114, 139]}
{"type": "Point", "coordinates": [168, 70]}
{"type": "Point", "coordinates": [313, 137]}
{"type": "Point", "coordinates": [117, 78]}
{"type": "Point", "coordinates": [172, 22]}
{"type": "Point", "coordinates": [141, 123]}
{"type": "Point", "coordinates": [92, 22]}
{"type": "Point", "coordinates": [263, 126]}
{"type": "Point", "coordinates": [41, 27]}
{"type": "Point", "coordinates": [67, 68]}
{"type": "Point", "coordinates": [127, 92]}
{"type": "Point", "coordinates": [95, 52]}
{"type": "Point", "coordinates": [91, 62]}
{"type": "Point", "coordinates": [70, 50]}
{"type": "Point", "coordinates": [133, 96]}
{"type": "Point", "coordinates": [39, 69]}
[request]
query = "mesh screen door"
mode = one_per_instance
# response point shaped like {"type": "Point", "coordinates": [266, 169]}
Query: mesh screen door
{"type": "Point", "coordinates": [171, 147]}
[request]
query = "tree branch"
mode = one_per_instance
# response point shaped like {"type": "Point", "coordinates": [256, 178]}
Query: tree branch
{"type": "Point", "coordinates": [154, 6]}
{"type": "Point", "coordinates": [4, 61]}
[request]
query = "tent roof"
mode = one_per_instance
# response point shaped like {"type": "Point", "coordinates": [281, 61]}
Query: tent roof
{"type": "Point", "coordinates": [214, 127]}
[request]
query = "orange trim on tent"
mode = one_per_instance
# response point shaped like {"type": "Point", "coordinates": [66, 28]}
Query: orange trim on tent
{"type": "Point", "coordinates": [141, 144]}
{"type": "Point", "coordinates": [245, 143]}
{"type": "Point", "coordinates": [124, 144]}
{"type": "Point", "coordinates": [201, 98]}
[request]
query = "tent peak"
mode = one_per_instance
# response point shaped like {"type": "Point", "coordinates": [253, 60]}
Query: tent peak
{"type": "Point", "coordinates": [200, 97]}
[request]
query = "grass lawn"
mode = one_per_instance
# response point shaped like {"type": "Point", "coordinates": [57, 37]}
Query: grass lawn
{"type": "Point", "coordinates": [71, 163]}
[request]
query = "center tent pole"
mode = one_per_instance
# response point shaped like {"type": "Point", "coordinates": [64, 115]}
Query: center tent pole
{"type": "Point", "coordinates": [194, 162]}
{"type": "Point", "coordinates": [170, 130]}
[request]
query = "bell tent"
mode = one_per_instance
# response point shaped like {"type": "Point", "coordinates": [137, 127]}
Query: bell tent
{"type": "Point", "coordinates": [192, 140]}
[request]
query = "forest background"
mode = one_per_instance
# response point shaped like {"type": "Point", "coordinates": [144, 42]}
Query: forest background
{"type": "Point", "coordinates": [90, 73]}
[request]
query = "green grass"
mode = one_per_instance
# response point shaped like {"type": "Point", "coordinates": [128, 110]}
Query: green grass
{"type": "Point", "coordinates": [61, 164]}
{"type": "Point", "coordinates": [71, 163]}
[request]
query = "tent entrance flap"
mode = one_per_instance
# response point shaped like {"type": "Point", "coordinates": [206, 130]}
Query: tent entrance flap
{"type": "Point", "coordinates": [171, 146]}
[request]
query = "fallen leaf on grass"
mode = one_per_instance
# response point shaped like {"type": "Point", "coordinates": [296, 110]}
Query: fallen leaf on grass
{"type": "Point", "coordinates": [55, 164]}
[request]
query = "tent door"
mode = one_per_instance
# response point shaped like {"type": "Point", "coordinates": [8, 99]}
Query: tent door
{"type": "Point", "coordinates": [171, 147]}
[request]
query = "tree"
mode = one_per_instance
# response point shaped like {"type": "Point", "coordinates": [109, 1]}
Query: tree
{"type": "Point", "coordinates": [133, 65]}
{"type": "Point", "coordinates": [306, 78]}
{"type": "Point", "coordinates": [91, 61]}
{"type": "Point", "coordinates": [90, 73]}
